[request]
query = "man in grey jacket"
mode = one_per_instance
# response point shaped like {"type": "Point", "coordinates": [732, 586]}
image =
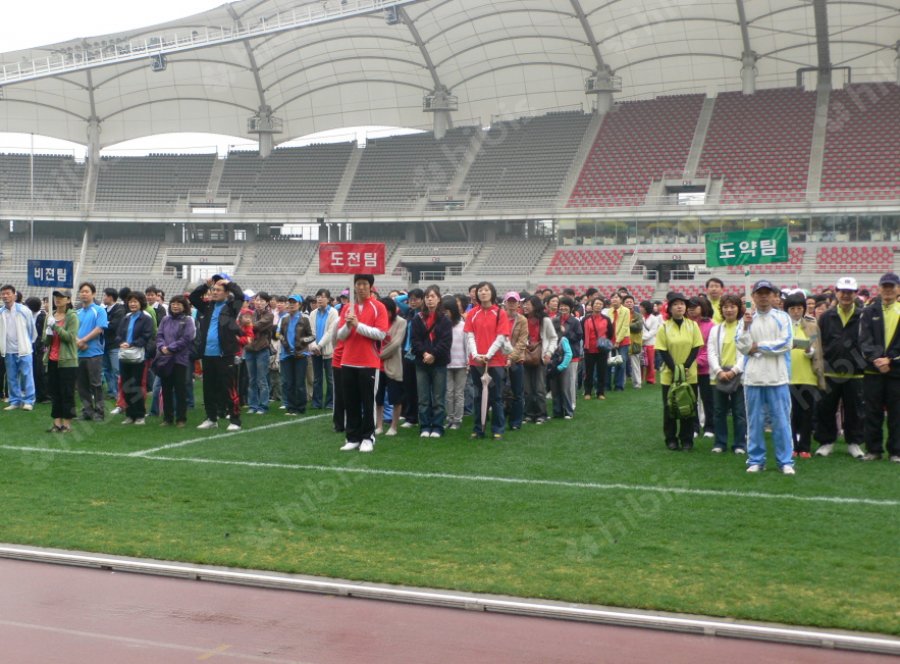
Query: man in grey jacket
{"type": "Point", "coordinates": [765, 338]}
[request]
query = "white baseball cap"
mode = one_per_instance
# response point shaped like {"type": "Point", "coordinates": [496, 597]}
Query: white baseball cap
{"type": "Point", "coordinates": [846, 283]}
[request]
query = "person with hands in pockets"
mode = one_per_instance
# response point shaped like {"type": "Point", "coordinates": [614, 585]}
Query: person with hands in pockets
{"type": "Point", "coordinates": [765, 339]}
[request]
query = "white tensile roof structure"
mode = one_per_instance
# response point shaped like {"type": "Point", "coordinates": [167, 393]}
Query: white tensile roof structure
{"type": "Point", "coordinates": [301, 67]}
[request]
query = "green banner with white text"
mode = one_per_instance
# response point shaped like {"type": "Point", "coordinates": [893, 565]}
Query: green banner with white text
{"type": "Point", "coordinates": [754, 247]}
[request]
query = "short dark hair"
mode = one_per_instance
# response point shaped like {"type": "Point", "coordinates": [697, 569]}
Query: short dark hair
{"type": "Point", "coordinates": [89, 285]}
{"type": "Point", "coordinates": [151, 289]}
{"type": "Point", "coordinates": [112, 292]}
{"type": "Point", "coordinates": [323, 291]}
{"type": "Point", "coordinates": [714, 280]}
{"type": "Point", "coordinates": [736, 300]}
{"type": "Point", "coordinates": [124, 292]}
{"type": "Point", "coordinates": [364, 277]}
{"type": "Point", "coordinates": [33, 303]}
{"type": "Point", "coordinates": [139, 296]}
{"type": "Point", "coordinates": [416, 292]}
{"type": "Point", "coordinates": [262, 295]}
{"type": "Point", "coordinates": [489, 285]}
{"type": "Point", "coordinates": [183, 301]}
{"type": "Point", "coordinates": [567, 301]}
{"type": "Point", "coordinates": [8, 287]}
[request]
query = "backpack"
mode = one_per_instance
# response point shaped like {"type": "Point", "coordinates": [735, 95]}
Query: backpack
{"type": "Point", "coordinates": [681, 400]}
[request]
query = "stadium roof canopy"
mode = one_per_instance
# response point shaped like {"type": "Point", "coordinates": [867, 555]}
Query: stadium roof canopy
{"type": "Point", "coordinates": [340, 63]}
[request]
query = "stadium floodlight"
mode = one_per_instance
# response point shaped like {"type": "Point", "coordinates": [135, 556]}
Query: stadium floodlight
{"type": "Point", "coordinates": [440, 100]}
{"type": "Point", "coordinates": [158, 62]}
{"type": "Point", "coordinates": [391, 16]}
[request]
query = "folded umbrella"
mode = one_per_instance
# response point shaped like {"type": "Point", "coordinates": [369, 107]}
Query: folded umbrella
{"type": "Point", "coordinates": [485, 396]}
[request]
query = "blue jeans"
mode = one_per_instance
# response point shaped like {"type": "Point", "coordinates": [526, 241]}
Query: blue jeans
{"type": "Point", "coordinates": [516, 373]}
{"type": "Point", "coordinates": [776, 402]}
{"type": "Point", "coordinates": [723, 406]}
{"type": "Point", "coordinates": [156, 397]}
{"type": "Point", "coordinates": [495, 400]}
{"type": "Point", "coordinates": [257, 362]}
{"type": "Point", "coordinates": [431, 383]}
{"type": "Point", "coordinates": [111, 371]}
{"type": "Point", "coordinates": [20, 378]}
{"type": "Point", "coordinates": [322, 373]}
{"type": "Point", "coordinates": [293, 384]}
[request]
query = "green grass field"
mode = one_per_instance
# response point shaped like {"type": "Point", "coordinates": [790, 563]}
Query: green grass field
{"type": "Point", "coordinates": [593, 510]}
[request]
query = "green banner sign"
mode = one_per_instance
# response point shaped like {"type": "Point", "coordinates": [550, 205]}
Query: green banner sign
{"type": "Point", "coordinates": [755, 247]}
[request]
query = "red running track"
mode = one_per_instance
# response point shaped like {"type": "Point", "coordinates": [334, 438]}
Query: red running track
{"type": "Point", "coordinates": [56, 614]}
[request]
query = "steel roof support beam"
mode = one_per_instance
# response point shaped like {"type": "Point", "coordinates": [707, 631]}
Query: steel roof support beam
{"type": "Point", "coordinates": [749, 56]}
{"type": "Point", "coordinates": [823, 44]}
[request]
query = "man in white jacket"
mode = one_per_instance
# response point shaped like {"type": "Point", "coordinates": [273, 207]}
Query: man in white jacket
{"type": "Point", "coordinates": [765, 339]}
{"type": "Point", "coordinates": [17, 336]}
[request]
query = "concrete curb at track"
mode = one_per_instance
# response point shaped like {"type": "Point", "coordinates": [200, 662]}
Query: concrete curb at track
{"type": "Point", "coordinates": [839, 640]}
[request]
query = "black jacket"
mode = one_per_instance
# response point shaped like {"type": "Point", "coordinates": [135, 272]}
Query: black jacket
{"type": "Point", "coordinates": [840, 344]}
{"type": "Point", "coordinates": [229, 331]}
{"type": "Point", "coordinates": [420, 340]}
{"type": "Point", "coordinates": [872, 342]}
{"type": "Point", "coordinates": [114, 317]}
{"type": "Point", "coordinates": [575, 335]}
{"type": "Point", "coordinates": [142, 335]}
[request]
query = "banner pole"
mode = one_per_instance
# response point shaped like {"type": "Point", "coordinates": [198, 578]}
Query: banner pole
{"type": "Point", "coordinates": [747, 286]}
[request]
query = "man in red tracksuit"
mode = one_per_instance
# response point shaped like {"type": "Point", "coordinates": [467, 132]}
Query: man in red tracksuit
{"type": "Point", "coordinates": [362, 326]}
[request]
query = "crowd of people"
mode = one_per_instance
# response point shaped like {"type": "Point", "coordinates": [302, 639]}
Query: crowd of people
{"type": "Point", "coordinates": [802, 367]}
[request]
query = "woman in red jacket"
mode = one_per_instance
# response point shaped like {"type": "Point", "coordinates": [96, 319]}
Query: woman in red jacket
{"type": "Point", "coordinates": [598, 340]}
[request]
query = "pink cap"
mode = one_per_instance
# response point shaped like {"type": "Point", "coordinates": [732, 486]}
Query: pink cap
{"type": "Point", "coordinates": [512, 295]}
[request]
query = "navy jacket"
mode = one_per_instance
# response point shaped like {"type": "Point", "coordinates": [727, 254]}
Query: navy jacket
{"type": "Point", "coordinates": [872, 341]}
{"type": "Point", "coordinates": [421, 341]}
{"type": "Point", "coordinates": [840, 345]}
{"type": "Point", "coordinates": [142, 334]}
{"type": "Point", "coordinates": [229, 331]}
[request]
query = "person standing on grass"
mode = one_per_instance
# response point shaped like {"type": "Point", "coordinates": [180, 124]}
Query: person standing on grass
{"type": "Point", "coordinates": [621, 320]}
{"type": "Point", "coordinates": [410, 390]}
{"type": "Point", "coordinates": [296, 336]}
{"type": "Point", "coordinates": [807, 374]}
{"type": "Point", "coordinates": [880, 345]}
{"type": "Point", "coordinates": [765, 338]}
{"type": "Point", "coordinates": [17, 337]}
{"type": "Point", "coordinates": [115, 312]}
{"type": "Point", "coordinates": [135, 332]}
{"type": "Point", "coordinates": [457, 368]}
{"type": "Point", "coordinates": [699, 310]}
{"type": "Point", "coordinates": [678, 342]}
{"type": "Point", "coordinates": [61, 350]}
{"type": "Point", "coordinates": [557, 368]}
{"type": "Point", "coordinates": [174, 340]}
{"type": "Point", "coordinates": [92, 323]}
{"type": "Point", "coordinates": [322, 320]}
{"type": "Point", "coordinates": [575, 335]}
{"type": "Point", "coordinates": [844, 365]}
{"type": "Point", "coordinates": [432, 336]}
{"type": "Point", "coordinates": [725, 372]}
{"type": "Point", "coordinates": [362, 326]}
{"type": "Point", "coordinates": [542, 343]}
{"type": "Point", "coordinates": [515, 369]}
{"type": "Point", "coordinates": [257, 353]}
{"type": "Point", "coordinates": [598, 339]}
{"type": "Point", "coordinates": [636, 338]}
{"type": "Point", "coordinates": [651, 327]}
{"type": "Point", "coordinates": [487, 330]}
{"type": "Point", "coordinates": [218, 334]}
{"type": "Point", "coordinates": [390, 378]}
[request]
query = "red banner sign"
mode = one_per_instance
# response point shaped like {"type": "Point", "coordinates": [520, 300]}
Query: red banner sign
{"type": "Point", "coordinates": [351, 258]}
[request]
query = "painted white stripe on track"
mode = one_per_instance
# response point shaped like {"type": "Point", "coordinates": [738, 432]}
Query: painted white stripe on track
{"type": "Point", "coordinates": [220, 436]}
{"type": "Point", "coordinates": [565, 484]}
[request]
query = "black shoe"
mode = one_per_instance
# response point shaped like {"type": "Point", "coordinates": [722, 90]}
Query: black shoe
{"type": "Point", "coordinates": [672, 445]}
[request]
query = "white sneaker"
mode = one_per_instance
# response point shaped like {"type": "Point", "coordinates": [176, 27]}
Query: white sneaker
{"type": "Point", "coordinates": [140, 420]}
{"type": "Point", "coordinates": [895, 458]}
{"type": "Point", "coordinates": [567, 417]}
{"type": "Point", "coordinates": [27, 406]}
{"type": "Point", "coordinates": [349, 447]}
{"type": "Point", "coordinates": [13, 406]}
{"type": "Point", "coordinates": [208, 424]}
{"type": "Point", "coordinates": [824, 450]}
{"type": "Point", "coordinates": [128, 420]}
{"type": "Point", "coordinates": [233, 427]}
{"type": "Point", "coordinates": [435, 434]}
{"type": "Point", "coordinates": [390, 432]}
{"type": "Point", "coordinates": [425, 434]}
{"type": "Point", "coordinates": [855, 451]}
{"type": "Point", "coordinates": [368, 445]}
{"type": "Point", "coordinates": [407, 425]}
{"type": "Point", "coordinates": [709, 434]}
{"type": "Point", "coordinates": [282, 407]}
{"type": "Point", "coordinates": [379, 431]}
{"type": "Point", "coordinates": [740, 451]}
{"type": "Point", "coordinates": [115, 411]}
{"type": "Point", "coordinates": [788, 470]}
{"type": "Point", "coordinates": [755, 468]}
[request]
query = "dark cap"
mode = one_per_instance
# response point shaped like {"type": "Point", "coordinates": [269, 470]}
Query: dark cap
{"type": "Point", "coordinates": [673, 297]}
{"type": "Point", "coordinates": [63, 292]}
{"type": "Point", "coordinates": [889, 278]}
{"type": "Point", "coordinates": [763, 284]}
{"type": "Point", "coordinates": [366, 277]}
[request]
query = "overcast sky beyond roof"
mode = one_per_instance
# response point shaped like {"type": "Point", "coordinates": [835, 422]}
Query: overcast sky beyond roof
{"type": "Point", "coordinates": [40, 22]}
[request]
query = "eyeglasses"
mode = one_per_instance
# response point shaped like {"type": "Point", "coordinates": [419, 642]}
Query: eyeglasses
{"type": "Point", "coordinates": [217, 290]}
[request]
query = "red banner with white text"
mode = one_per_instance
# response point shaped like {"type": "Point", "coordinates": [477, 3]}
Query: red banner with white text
{"type": "Point", "coordinates": [351, 258]}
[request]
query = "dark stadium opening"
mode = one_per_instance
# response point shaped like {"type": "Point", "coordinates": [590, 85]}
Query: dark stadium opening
{"type": "Point", "coordinates": [686, 194]}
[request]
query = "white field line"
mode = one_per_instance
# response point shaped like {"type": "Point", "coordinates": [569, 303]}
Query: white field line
{"type": "Point", "coordinates": [595, 486]}
{"type": "Point", "coordinates": [219, 436]}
